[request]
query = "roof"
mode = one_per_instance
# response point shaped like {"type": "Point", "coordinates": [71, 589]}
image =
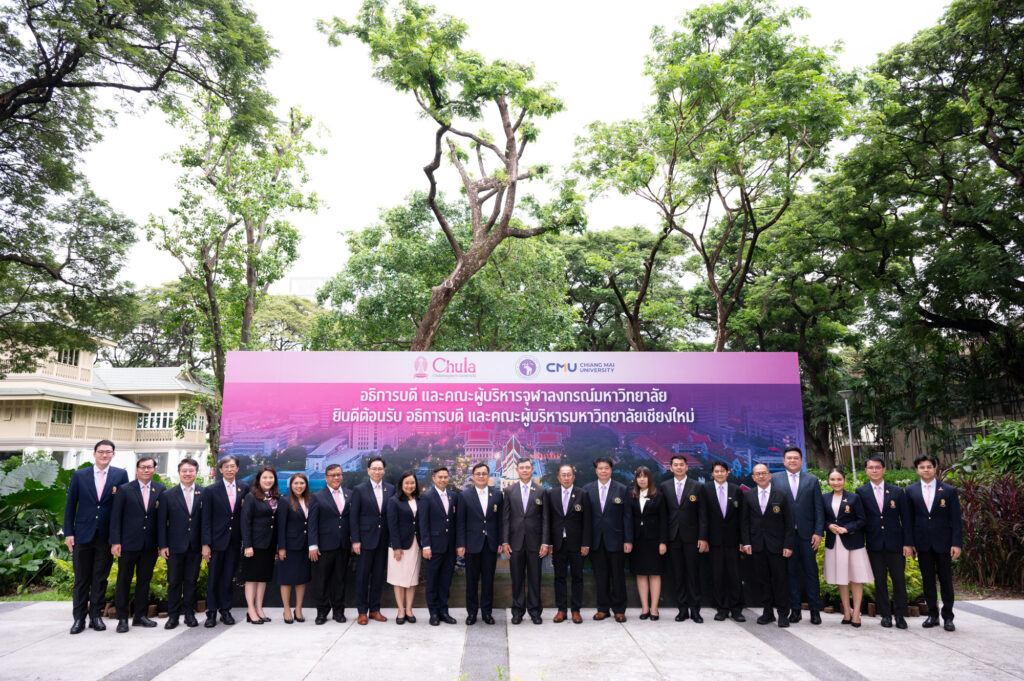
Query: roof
{"type": "Point", "coordinates": [145, 380]}
{"type": "Point", "coordinates": [91, 398]}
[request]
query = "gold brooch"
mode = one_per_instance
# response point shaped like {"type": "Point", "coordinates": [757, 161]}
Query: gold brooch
{"type": "Point", "coordinates": [776, 509]}
{"type": "Point", "coordinates": [578, 508]}
{"type": "Point", "coordinates": [537, 501]}
{"type": "Point", "coordinates": [618, 500]}
{"type": "Point", "coordinates": [942, 502]}
{"type": "Point", "coordinates": [693, 497]}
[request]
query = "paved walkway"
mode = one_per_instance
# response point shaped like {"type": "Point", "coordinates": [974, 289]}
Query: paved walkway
{"type": "Point", "coordinates": [35, 644]}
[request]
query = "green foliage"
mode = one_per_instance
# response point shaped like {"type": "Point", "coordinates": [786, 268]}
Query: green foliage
{"type": "Point", "coordinates": [992, 505]}
{"type": "Point", "coordinates": [1000, 450]}
{"type": "Point", "coordinates": [911, 573]}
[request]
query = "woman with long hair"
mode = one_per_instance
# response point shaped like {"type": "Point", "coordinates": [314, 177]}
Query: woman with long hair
{"type": "Point", "coordinates": [404, 553]}
{"type": "Point", "coordinates": [293, 546]}
{"type": "Point", "coordinates": [846, 560]}
{"type": "Point", "coordinates": [650, 541]}
{"type": "Point", "coordinates": [259, 541]}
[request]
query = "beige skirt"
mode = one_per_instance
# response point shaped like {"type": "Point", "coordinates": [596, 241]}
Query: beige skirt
{"type": "Point", "coordinates": [405, 572]}
{"type": "Point", "coordinates": [843, 566]}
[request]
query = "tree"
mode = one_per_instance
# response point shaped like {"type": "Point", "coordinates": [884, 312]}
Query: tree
{"type": "Point", "coordinates": [743, 111]}
{"type": "Point", "coordinates": [418, 53]}
{"type": "Point", "coordinates": [283, 323]}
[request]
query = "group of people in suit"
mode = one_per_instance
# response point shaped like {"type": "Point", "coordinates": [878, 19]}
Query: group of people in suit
{"type": "Point", "coordinates": [395, 533]}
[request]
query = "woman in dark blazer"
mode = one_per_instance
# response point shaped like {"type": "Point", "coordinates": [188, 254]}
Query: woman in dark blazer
{"type": "Point", "coordinates": [650, 538]}
{"type": "Point", "coordinates": [846, 560]}
{"type": "Point", "coordinates": [259, 541]}
{"type": "Point", "coordinates": [293, 545]}
{"type": "Point", "coordinates": [404, 552]}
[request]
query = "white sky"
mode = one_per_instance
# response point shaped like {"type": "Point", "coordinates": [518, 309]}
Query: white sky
{"type": "Point", "coordinates": [377, 145]}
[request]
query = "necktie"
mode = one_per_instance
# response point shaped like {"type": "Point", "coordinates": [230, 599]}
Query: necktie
{"type": "Point", "coordinates": [444, 501]}
{"type": "Point", "coordinates": [482, 496]}
{"type": "Point", "coordinates": [679, 492]}
{"type": "Point", "coordinates": [100, 480]}
{"type": "Point", "coordinates": [337, 500]}
{"type": "Point", "coordinates": [380, 496]}
{"type": "Point", "coordinates": [794, 483]}
{"type": "Point", "coordinates": [231, 495]}
{"type": "Point", "coordinates": [145, 496]}
{"type": "Point", "coordinates": [879, 499]}
{"type": "Point", "coordinates": [188, 498]}
{"type": "Point", "coordinates": [928, 497]}
{"type": "Point", "coordinates": [565, 501]}
{"type": "Point", "coordinates": [526, 497]}
{"type": "Point", "coordinates": [764, 500]}
{"type": "Point", "coordinates": [604, 492]}
{"type": "Point", "coordinates": [721, 498]}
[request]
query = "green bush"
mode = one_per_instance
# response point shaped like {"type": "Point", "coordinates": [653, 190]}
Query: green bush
{"type": "Point", "coordinates": [1001, 451]}
{"type": "Point", "coordinates": [63, 580]}
{"type": "Point", "coordinates": [912, 574]}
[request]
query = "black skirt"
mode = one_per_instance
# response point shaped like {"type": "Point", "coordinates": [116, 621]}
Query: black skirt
{"type": "Point", "coordinates": [259, 568]}
{"type": "Point", "coordinates": [294, 569]}
{"type": "Point", "coordinates": [645, 559]}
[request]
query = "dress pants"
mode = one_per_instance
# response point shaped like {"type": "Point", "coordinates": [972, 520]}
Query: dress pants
{"type": "Point", "coordinates": [937, 563]}
{"type": "Point", "coordinates": [480, 568]}
{"type": "Point", "coordinates": [770, 571]}
{"type": "Point", "coordinates": [684, 561]}
{"type": "Point", "coordinates": [371, 570]}
{"type": "Point", "coordinates": [525, 568]}
{"type": "Point", "coordinates": [610, 575]}
{"type": "Point", "coordinates": [440, 569]}
{"type": "Point", "coordinates": [568, 560]}
{"type": "Point", "coordinates": [220, 578]}
{"type": "Point", "coordinates": [895, 564]}
{"type": "Point", "coordinates": [330, 571]}
{"type": "Point", "coordinates": [140, 564]}
{"type": "Point", "coordinates": [725, 577]}
{"type": "Point", "coordinates": [803, 567]}
{"type": "Point", "coordinates": [91, 561]}
{"type": "Point", "coordinates": [182, 575]}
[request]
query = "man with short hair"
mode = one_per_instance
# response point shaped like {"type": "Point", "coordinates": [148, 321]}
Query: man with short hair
{"type": "Point", "coordinates": [887, 528]}
{"type": "Point", "coordinates": [133, 524]}
{"type": "Point", "coordinates": [330, 545]}
{"type": "Point", "coordinates": [612, 539]}
{"type": "Point", "coordinates": [722, 500]}
{"type": "Point", "coordinates": [936, 529]}
{"type": "Point", "coordinates": [525, 526]}
{"type": "Point", "coordinates": [87, 533]}
{"type": "Point", "coordinates": [437, 521]}
{"type": "Point", "coordinates": [222, 539]}
{"type": "Point", "coordinates": [809, 511]}
{"type": "Point", "coordinates": [687, 536]}
{"type": "Point", "coordinates": [571, 533]}
{"type": "Point", "coordinates": [478, 539]}
{"type": "Point", "coordinates": [768, 533]}
{"type": "Point", "coordinates": [368, 530]}
{"type": "Point", "coordinates": [180, 539]}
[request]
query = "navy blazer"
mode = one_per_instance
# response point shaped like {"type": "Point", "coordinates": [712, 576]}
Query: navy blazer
{"type": "Point", "coordinates": [687, 520]}
{"type": "Point", "coordinates": [888, 528]}
{"type": "Point", "coordinates": [85, 517]}
{"type": "Point", "coordinates": [529, 530]}
{"type": "Point", "coordinates": [133, 525]}
{"type": "Point", "coordinates": [651, 523]}
{"type": "Point", "coordinates": [474, 530]}
{"type": "Point", "coordinates": [577, 525]}
{"type": "Point", "coordinates": [723, 531]}
{"type": "Point", "coordinates": [403, 525]}
{"type": "Point", "coordinates": [222, 526]}
{"type": "Point", "coordinates": [614, 525]}
{"type": "Point", "coordinates": [808, 509]}
{"type": "Point", "coordinates": [259, 523]}
{"type": "Point", "coordinates": [437, 528]}
{"type": "Point", "coordinates": [774, 530]}
{"type": "Point", "coordinates": [940, 528]}
{"type": "Point", "coordinates": [328, 529]}
{"type": "Point", "coordinates": [851, 517]}
{"type": "Point", "coordinates": [176, 528]}
{"type": "Point", "coordinates": [292, 526]}
{"type": "Point", "coordinates": [367, 524]}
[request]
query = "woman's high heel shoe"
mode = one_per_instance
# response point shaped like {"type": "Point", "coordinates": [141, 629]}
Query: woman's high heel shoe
{"type": "Point", "coordinates": [251, 620]}
{"type": "Point", "coordinates": [410, 619]}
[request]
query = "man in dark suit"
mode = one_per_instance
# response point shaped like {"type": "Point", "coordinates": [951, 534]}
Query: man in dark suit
{"type": "Point", "coordinates": [87, 533]}
{"type": "Point", "coordinates": [478, 539]}
{"type": "Point", "coordinates": [437, 522]}
{"type": "Point", "coordinates": [525, 526]}
{"type": "Point", "coordinates": [687, 536]}
{"type": "Point", "coordinates": [330, 545]}
{"type": "Point", "coordinates": [768, 533]}
{"type": "Point", "coordinates": [369, 534]}
{"type": "Point", "coordinates": [722, 501]}
{"type": "Point", "coordinates": [180, 538]}
{"type": "Point", "coordinates": [133, 542]}
{"type": "Point", "coordinates": [887, 528]}
{"type": "Point", "coordinates": [612, 539]}
{"type": "Point", "coordinates": [936, 531]}
{"type": "Point", "coordinates": [222, 539]}
{"type": "Point", "coordinates": [809, 510]}
{"type": "Point", "coordinates": [571, 533]}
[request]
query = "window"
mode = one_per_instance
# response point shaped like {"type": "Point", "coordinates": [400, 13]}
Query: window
{"type": "Point", "coordinates": [156, 420]}
{"type": "Point", "coordinates": [67, 357]}
{"type": "Point", "coordinates": [196, 422]}
{"type": "Point", "coordinates": [62, 412]}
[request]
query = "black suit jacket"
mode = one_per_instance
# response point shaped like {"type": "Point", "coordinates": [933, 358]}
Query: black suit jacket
{"type": "Point", "coordinates": [328, 529]}
{"type": "Point", "coordinates": [577, 524]}
{"type": "Point", "coordinates": [85, 516]}
{"type": "Point", "coordinates": [808, 510]}
{"type": "Point", "coordinates": [368, 525]}
{"type": "Point", "coordinates": [532, 529]}
{"type": "Point", "coordinates": [613, 526]}
{"type": "Point", "coordinates": [473, 529]}
{"type": "Point", "coordinates": [687, 521]}
{"type": "Point", "coordinates": [888, 528]}
{"type": "Point", "coordinates": [222, 526]}
{"type": "Point", "coordinates": [773, 531]}
{"type": "Point", "coordinates": [292, 526]}
{"type": "Point", "coordinates": [940, 528]}
{"type": "Point", "coordinates": [176, 528]}
{"type": "Point", "coordinates": [651, 523]}
{"type": "Point", "coordinates": [133, 525]}
{"type": "Point", "coordinates": [851, 516]}
{"type": "Point", "coordinates": [723, 531]}
{"type": "Point", "coordinates": [259, 523]}
{"type": "Point", "coordinates": [403, 526]}
{"type": "Point", "coordinates": [437, 528]}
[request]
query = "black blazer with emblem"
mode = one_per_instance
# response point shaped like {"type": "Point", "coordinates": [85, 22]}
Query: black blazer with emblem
{"type": "Point", "coordinates": [85, 516]}
{"type": "Point", "coordinates": [940, 528]}
{"type": "Point", "coordinates": [614, 525]}
{"type": "Point", "coordinates": [577, 524]}
{"type": "Point", "coordinates": [292, 526]}
{"type": "Point", "coordinates": [437, 528]}
{"type": "Point", "coordinates": [888, 528]}
{"type": "Point", "coordinates": [176, 528]}
{"type": "Point", "coordinates": [532, 529]}
{"type": "Point", "coordinates": [222, 526]}
{"type": "Point", "coordinates": [368, 524]}
{"type": "Point", "coordinates": [133, 525]}
{"type": "Point", "coordinates": [259, 523]}
{"type": "Point", "coordinates": [328, 529]}
{"type": "Point", "coordinates": [403, 526]}
{"type": "Point", "coordinates": [773, 531]}
{"type": "Point", "coordinates": [723, 531]}
{"type": "Point", "coordinates": [474, 530]}
{"type": "Point", "coordinates": [650, 523]}
{"type": "Point", "coordinates": [851, 517]}
{"type": "Point", "coordinates": [687, 521]}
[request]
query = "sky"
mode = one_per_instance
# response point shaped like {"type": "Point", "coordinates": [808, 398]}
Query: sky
{"type": "Point", "coordinates": [377, 145]}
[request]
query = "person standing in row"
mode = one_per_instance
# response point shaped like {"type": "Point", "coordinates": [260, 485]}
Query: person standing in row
{"type": "Point", "coordinates": [87, 534]}
{"type": "Point", "coordinates": [768, 533]}
{"type": "Point", "coordinates": [887, 528]}
{"type": "Point", "coordinates": [437, 539]}
{"type": "Point", "coordinates": [403, 566]}
{"type": "Point", "coordinates": [222, 539]}
{"type": "Point", "coordinates": [330, 546]}
{"type": "Point", "coordinates": [259, 541]}
{"type": "Point", "coordinates": [722, 501]}
{"type": "Point", "coordinates": [478, 539]}
{"type": "Point", "coordinates": [179, 538]}
{"type": "Point", "coordinates": [612, 540]}
{"type": "Point", "coordinates": [650, 534]}
{"type": "Point", "coordinates": [846, 560]}
{"type": "Point", "coordinates": [687, 537]}
{"type": "Point", "coordinates": [293, 545]}
{"type": "Point", "coordinates": [526, 526]}
{"type": "Point", "coordinates": [809, 510]}
{"type": "Point", "coordinates": [133, 542]}
{"type": "Point", "coordinates": [369, 530]}
{"type": "Point", "coordinates": [571, 534]}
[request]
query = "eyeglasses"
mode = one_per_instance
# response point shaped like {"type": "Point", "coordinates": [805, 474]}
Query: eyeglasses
{"type": "Point", "coordinates": [146, 468]}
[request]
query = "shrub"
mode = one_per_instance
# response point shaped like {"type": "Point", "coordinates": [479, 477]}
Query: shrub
{"type": "Point", "coordinates": [1001, 451]}
{"type": "Point", "coordinates": [992, 506]}
{"type": "Point", "coordinates": [912, 574]}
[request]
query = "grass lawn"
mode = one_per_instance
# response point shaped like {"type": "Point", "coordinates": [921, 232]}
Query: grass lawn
{"type": "Point", "coordinates": [35, 594]}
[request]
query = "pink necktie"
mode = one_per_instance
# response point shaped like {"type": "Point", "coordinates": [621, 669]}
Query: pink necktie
{"type": "Point", "coordinates": [604, 491]}
{"type": "Point", "coordinates": [721, 499]}
{"type": "Point", "coordinates": [764, 500]}
{"type": "Point", "coordinates": [145, 496]}
{"type": "Point", "coordinates": [188, 499]}
{"type": "Point", "coordinates": [878, 499]}
{"type": "Point", "coordinates": [444, 501]}
{"type": "Point", "coordinates": [679, 492]}
{"type": "Point", "coordinates": [794, 482]}
{"type": "Point", "coordinates": [565, 501]}
{"type": "Point", "coordinates": [526, 497]}
{"type": "Point", "coordinates": [380, 497]}
{"type": "Point", "coordinates": [100, 482]}
{"type": "Point", "coordinates": [337, 499]}
{"type": "Point", "coordinates": [231, 495]}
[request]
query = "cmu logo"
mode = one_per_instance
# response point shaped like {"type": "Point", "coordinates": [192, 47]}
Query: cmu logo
{"type": "Point", "coordinates": [561, 367]}
{"type": "Point", "coordinates": [421, 367]}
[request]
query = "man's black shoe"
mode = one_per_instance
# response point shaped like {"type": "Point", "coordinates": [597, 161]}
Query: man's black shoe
{"type": "Point", "coordinates": [517, 619]}
{"type": "Point", "coordinates": [900, 622]}
{"type": "Point", "coordinates": [682, 617]}
{"type": "Point", "coordinates": [721, 616]}
{"type": "Point", "coordinates": [948, 625]}
{"type": "Point", "coordinates": [190, 620]}
{"type": "Point", "coordinates": [695, 616]}
{"type": "Point", "coordinates": [211, 620]}
{"type": "Point", "coordinates": [738, 616]}
{"type": "Point", "coordinates": [320, 619]}
{"type": "Point", "coordinates": [434, 621]}
{"type": "Point", "coordinates": [78, 627]}
{"type": "Point", "coordinates": [122, 625]}
{"type": "Point", "coordinates": [487, 619]}
{"type": "Point", "coordinates": [172, 622]}
{"type": "Point", "coordinates": [340, 617]}
{"type": "Point", "coordinates": [930, 621]}
{"type": "Point", "coordinates": [815, 617]}
{"type": "Point", "coordinates": [766, 618]}
{"type": "Point", "coordinates": [783, 622]}
{"type": "Point", "coordinates": [446, 618]}
{"type": "Point", "coordinates": [887, 622]}
{"type": "Point", "coordinates": [226, 618]}
{"type": "Point", "coordinates": [536, 619]}
{"type": "Point", "coordinates": [97, 623]}
{"type": "Point", "coordinates": [795, 616]}
{"type": "Point", "coordinates": [470, 620]}
{"type": "Point", "coordinates": [143, 622]}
